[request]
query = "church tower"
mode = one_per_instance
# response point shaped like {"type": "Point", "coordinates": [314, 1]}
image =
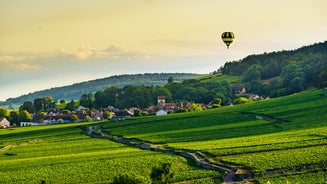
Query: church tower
{"type": "Point", "coordinates": [161, 102]}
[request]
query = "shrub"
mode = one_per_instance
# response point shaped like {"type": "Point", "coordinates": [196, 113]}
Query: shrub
{"type": "Point", "coordinates": [130, 179]}
{"type": "Point", "coordinates": [87, 119]}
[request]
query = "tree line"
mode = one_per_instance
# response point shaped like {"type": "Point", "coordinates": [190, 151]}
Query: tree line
{"type": "Point", "coordinates": [142, 97]}
{"type": "Point", "coordinates": [76, 90]}
{"type": "Point", "coordinates": [190, 90]}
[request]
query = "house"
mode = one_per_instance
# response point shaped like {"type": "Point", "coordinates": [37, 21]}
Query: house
{"type": "Point", "coordinates": [185, 105]}
{"type": "Point", "coordinates": [4, 123]}
{"type": "Point", "coordinates": [122, 115]}
{"type": "Point", "coordinates": [202, 105]}
{"type": "Point", "coordinates": [239, 90]}
{"type": "Point", "coordinates": [161, 113]}
{"type": "Point", "coordinates": [254, 96]}
{"type": "Point", "coordinates": [170, 107]}
{"type": "Point", "coordinates": [24, 124]}
{"type": "Point", "coordinates": [80, 108]}
{"type": "Point", "coordinates": [153, 109]}
{"type": "Point", "coordinates": [162, 105]}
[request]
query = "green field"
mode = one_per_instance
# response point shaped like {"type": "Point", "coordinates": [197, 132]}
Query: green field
{"type": "Point", "coordinates": [287, 136]}
{"type": "Point", "coordinates": [293, 135]}
{"type": "Point", "coordinates": [220, 78]}
{"type": "Point", "coordinates": [63, 154]}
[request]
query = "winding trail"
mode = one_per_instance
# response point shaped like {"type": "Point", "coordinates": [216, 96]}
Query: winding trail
{"type": "Point", "coordinates": [198, 157]}
{"type": "Point", "coordinates": [6, 148]}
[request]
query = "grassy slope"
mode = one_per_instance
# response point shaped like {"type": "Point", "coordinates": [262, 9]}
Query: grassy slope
{"type": "Point", "coordinates": [219, 78]}
{"type": "Point", "coordinates": [300, 110]}
{"type": "Point", "coordinates": [230, 135]}
{"type": "Point", "coordinates": [63, 154]}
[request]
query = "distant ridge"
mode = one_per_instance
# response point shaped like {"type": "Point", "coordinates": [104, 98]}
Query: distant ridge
{"type": "Point", "coordinates": [75, 91]}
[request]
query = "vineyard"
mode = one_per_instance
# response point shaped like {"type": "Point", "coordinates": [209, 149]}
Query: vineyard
{"type": "Point", "coordinates": [283, 133]}
{"type": "Point", "coordinates": [279, 140]}
{"type": "Point", "coordinates": [62, 154]}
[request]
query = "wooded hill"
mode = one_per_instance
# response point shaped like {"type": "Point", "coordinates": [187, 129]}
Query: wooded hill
{"type": "Point", "coordinates": [75, 91]}
{"type": "Point", "coordinates": [284, 72]}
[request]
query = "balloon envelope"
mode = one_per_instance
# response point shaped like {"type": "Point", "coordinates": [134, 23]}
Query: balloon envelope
{"type": "Point", "coordinates": [228, 38]}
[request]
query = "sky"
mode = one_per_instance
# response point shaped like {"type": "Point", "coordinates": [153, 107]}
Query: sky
{"type": "Point", "coordinates": [47, 43]}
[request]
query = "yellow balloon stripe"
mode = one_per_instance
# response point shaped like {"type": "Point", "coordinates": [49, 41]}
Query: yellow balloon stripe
{"type": "Point", "coordinates": [228, 38]}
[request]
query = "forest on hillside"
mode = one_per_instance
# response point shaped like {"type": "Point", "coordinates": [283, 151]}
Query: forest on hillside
{"type": "Point", "coordinates": [74, 92]}
{"type": "Point", "coordinates": [284, 72]}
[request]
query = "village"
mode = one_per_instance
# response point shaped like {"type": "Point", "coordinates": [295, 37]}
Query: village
{"type": "Point", "coordinates": [82, 114]}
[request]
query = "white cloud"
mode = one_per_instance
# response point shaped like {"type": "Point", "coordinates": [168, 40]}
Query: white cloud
{"type": "Point", "coordinates": [6, 58]}
{"type": "Point", "coordinates": [178, 43]}
{"type": "Point", "coordinates": [25, 67]}
{"type": "Point", "coordinates": [84, 53]}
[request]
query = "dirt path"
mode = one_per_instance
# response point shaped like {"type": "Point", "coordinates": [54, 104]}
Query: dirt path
{"type": "Point", "coordinates": [198, 158]}
{"type": "Point", "coordinates": [6, 148]}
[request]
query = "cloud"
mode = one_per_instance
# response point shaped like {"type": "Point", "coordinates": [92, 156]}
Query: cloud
{"type": "Point", "coordinates": [84, 53]}
{"type": "Point", "coordinates": [178, 43]}
{"type": "Point", "coordinates": [25, 67]}
{"type": "Point", "coordinates": [7, 58]}
{"type": "Point", "coordinates": [56, 60]}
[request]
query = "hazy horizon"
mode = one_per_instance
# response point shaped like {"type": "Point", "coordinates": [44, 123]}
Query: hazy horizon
{"type": "Point", "coordinates": [47, 44]}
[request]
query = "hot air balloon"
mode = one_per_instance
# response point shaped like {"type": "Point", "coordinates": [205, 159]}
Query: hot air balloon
{"type": "Point", "coordinates": [228, 38]}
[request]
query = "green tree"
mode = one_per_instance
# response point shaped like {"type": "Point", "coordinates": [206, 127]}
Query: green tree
{"type": "Point", "coordinates": [106, 115]}
{"type": "Point", "coordinates": [70, 106]}
{"type": "Point", "coordinates": [48, 103]}
{"type": "Point", "coordinates": [170, 80]}
{"type": "Point", "coordinates": [194, 107]}
{"type": "Point", "coordinates": [291, 71]}
{"type": "Point", "coordinates": [87, 118]}
{"type": "Point", "coordinates": [163, 174]}
{"type": "Point", "coordinates": [137, 112]}
{"type": "Point", "coordinates": [41, 104]}
{"type": "Point", "coordinates": [297, 85]}
{"type": "Point", "coordinates": [253, 73]}
{"type": "Point", "coordinates": [111, 95]}
{"type": "Point", "coordinates": [24, 116]}
{"type": "Point", "coordinates": [216, 102]}
{"type": "Point", "coordinates": [61, 121]}
{"type": "Point", "coordinates": [14, 117]}
{"type": "Point", "coordinates": [321, 78]}
{"type": "Point", "coordinates": [66, 112]}
{"type": "Point", "coordinates": [272, 69]}
{"type": "Point", "coordinates": [74, 118]}
{"type": "Point", "coordinates": [38, 104]}
{"type": "Point", "coordinates": [100, 99]}
{"type": "Point", "coordinates": [128, 179]}
{"type": "Point", "coordinates": [134, 96]}
{"type": "Point", "coordinates": [41, 116]}
{"type": "Point", "coordinates": [29, 106]}
{"type": "Point", "coordinates": [242, 100]}
{"type": "Point", "coordinates": [274, 83]}
{"type": "Point", "coordinates": [62, 101]}
{"type": "Point", "coordinates": [255, 86]}
{"type": "Point", "coordinates": [159, 91]}
{"type": "Point", "coordinates": [87, 100]}
{"type": "Point", "coordinates": [4, 112]}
